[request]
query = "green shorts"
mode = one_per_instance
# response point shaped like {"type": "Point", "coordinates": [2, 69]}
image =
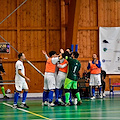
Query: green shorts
{"type": "Point", "coordinates": [70, 84]}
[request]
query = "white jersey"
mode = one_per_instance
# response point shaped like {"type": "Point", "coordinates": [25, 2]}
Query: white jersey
{"type": "Point", "coordinates": [19, 66]}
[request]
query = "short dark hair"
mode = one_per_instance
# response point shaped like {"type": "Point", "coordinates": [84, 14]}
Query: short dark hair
{"type": "Point", "coordinates": [52, 53]}
{"type": "Point", "coordinates": [19, 55]}
{"type": "Point", "coordinates": [69, 49]}
{"type": "Point", "coordinates": [75, 54]}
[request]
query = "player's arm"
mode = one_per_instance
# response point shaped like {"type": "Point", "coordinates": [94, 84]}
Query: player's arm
{"type": "Point", "coordinates": [99, 64]}
{"type": "Point", "coordinates": [62, 66]}
{"type": "Point", "coordinates": [46, 56]}
{"type": "Point", "coordinates": [20, 73]}
{"type": "Point", "coordinates": [3, 71]}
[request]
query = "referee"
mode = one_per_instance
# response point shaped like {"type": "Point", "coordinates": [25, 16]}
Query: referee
{"type": "Point", "coordinates": [2, 87]}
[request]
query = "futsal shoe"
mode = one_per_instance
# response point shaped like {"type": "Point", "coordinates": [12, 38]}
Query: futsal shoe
{"type": "Point", "coordinates": [15, 106]}
{"type": "Point", "coordinates": [80, 102]}
{"type": "Point", "coordinates": [51, 104]}
{"type": "Point", "coordinates": [45, 103]}
{"type": "Point", "coordinates": [92, 98]}
{"type": "Point", "coordinates": [61, 102]}
{"type": "Point", "coordinates": [67, 104]}
{"type": "Point", "coordinates": [104, 95]}
{"type": "Point", "coordinates": [100, 96]}
{"type": "Point", "coordinates": [5, 97]}
{"type": "Point", "coordinates": [24, 105]}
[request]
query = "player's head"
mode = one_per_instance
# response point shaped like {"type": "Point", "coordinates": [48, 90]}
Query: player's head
{"type": "Point", "coordinates": [52, 54]}
{"type": "Point", "coordinates": [69, 50]}
{"type": "Point", "coordinates": [75, 54]}
{"type": "Point", "coordinates": [21, 56]}
{"type": "Point", "coordinates": [94, 56]}
{"type": "Point", "coordinates": [0, 60]}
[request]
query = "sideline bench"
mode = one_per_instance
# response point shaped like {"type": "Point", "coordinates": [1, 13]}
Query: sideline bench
{"type": "Point", "coordinates": [112, 85]}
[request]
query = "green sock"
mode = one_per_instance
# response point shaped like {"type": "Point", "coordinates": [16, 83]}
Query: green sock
{"type": "Point", "coordinates": [67, 95]}
{"type": "Point", "coordinates": [78, 96]}
{"type": "Point", "coordinates": [3, 91]}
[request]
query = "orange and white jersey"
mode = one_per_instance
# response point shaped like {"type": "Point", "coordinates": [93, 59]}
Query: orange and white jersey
{"type": "Point", "coordinates": [63, 66]}
{"type": "Point", "coordinates": [94, 69]}
{"type": "Point", "coordinates": [51, 64]}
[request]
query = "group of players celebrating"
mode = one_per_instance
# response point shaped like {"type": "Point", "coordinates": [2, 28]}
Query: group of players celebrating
{"type": "Point", "coordinates": [63, 80]}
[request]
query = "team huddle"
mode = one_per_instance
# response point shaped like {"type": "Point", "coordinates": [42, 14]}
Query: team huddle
{"type": "Point", "coordinates": [65, 80]}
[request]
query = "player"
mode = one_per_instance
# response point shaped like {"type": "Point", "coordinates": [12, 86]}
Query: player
{"type": "Point", "coordinates": [62, 73]}
{"type": "Point", "coordinates": [20, 82]}
{"type": "Point", "coordinates": [49, 78]}
{"type": "Point", "coordinates": [95, 71]}
{"type": "Point", "coordinates": [72, 76]}
{"type": "Point", "coordinates": [2, 86]}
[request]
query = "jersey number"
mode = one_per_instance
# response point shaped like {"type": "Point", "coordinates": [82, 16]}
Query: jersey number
{"type": "Point", "coordinates": [74, 69]}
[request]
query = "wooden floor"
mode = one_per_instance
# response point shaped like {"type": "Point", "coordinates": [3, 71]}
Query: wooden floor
{"type": "Point", "coordinates": [105, 109]}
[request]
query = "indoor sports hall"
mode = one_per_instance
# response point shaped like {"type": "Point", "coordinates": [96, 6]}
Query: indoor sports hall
{"type": "Point", "coordinates": [59, 59]}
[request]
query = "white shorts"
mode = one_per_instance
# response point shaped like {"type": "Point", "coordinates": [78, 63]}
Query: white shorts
{"type": "Point", "coordinates": [20, 85]}
{"type": "Point", "coordinates": [49, 81]}
{"type": "Point", "coordinates": [95, 79]}
{"type": "Point", "coordinates": [60, 79]}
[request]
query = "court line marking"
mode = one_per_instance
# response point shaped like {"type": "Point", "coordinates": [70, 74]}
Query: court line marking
{"type": "Point", "coordinates": [27, 111]}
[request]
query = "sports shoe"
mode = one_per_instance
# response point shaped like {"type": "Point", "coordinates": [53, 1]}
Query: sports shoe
{"type": "Point", "coordinates": [104, 95]}
{"type": "Point", "coordinates": [45, 103]}
{"type": "Point", "coordinates": [80, 102]}
{"type": "Point", "coordinates": [67, 104]}
{"type": "Point", "coordinates": [100, 96]}
{"type": "Point", "coordinates": [15, 106]}
{"type": "Point", "coordinates": [92, 98]}
{"type": "Point", "coordinates": [24, 105]}
{"type": "Point", "coordinates": [5, 97]}
{"type": "Point", "coordinates": [51, 104]}
{"type": "Point", "coordinates": [75, 101]}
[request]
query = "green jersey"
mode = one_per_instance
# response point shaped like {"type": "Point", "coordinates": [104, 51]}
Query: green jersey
{"type": "Point", "coordinates": [73, 68]}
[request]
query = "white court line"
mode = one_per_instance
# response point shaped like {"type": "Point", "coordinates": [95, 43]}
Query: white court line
{"type": "Point", "coordinates": [27, 111]}
{"type": "Point", "coordinates": [86, 118]}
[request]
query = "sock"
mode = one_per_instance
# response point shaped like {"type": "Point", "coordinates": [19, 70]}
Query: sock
{"type": "Point", "coordinates": [78, 96]}
{"type": "Point", "coordinates": [70, 98]}
{"type": "Point", "coordinates": [99, 90]}
{"type": "Point", "coordinates": [3, 91]}
{"type": "Point", "coordinates": [24, 96]}
{"type": "Point", "coordinates": [16, 95]}
{"type": "Point", "coordinates": [50, 96]}
{"type": "Point", "coordinates": [60, 93]}
{"type": "Point", "coordinates": [93, 91]}
{"type": "Point", "coordinates": [56, 94]}
{"type": "Point", "coordinates": [45, 96]}
{"type": "Point", "coordinates": [63, 99]}
{"type": "Point", "coordinates": [67, 96]}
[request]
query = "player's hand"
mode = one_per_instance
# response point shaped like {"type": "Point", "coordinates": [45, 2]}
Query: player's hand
{"type": "Point", "coordinates": [90, 61]}
{"type": "Point", "coordinates": [44, 52]}
{"type": "Point", "coordinates": [4, 73]}
{"type": "Point", "coordinates": [61, 51]}
{"type": "Point", "coordinates": [27, 79]}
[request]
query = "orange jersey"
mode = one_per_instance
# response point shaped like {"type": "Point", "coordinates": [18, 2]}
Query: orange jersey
{"type": "Point", "coordinates": [50, 67]}
{"type": "Point", "coordinates": [65, 68]}
{"type": "Point", "coordinates": [94, 69]}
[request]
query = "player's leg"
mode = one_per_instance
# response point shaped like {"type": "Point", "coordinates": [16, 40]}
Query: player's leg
{"type": "Point", "coordinates": [92, 84]}
{"type": "Point", "coordinates": [76, 92]}
{"type": "Point", "coordinates": [25, 88]}
{"type": "Point", "coordinates": [3, 89]}
{"type": "Point", "coordinates": [18, 86]}
{"type": "Point", "coordinates": [67, 87]}
{"type": "Point", "coordinates": [51, 87]}
{"type": "Point", "coordinates": [98, 83]}
{"type": "Point", "coordinates": [45, 92]}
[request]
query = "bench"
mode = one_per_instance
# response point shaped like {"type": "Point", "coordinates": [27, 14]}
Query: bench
{"type": "Point", "coordinates": [83, 87]}
{"type": "Point", "coordinates": [112, 85]}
